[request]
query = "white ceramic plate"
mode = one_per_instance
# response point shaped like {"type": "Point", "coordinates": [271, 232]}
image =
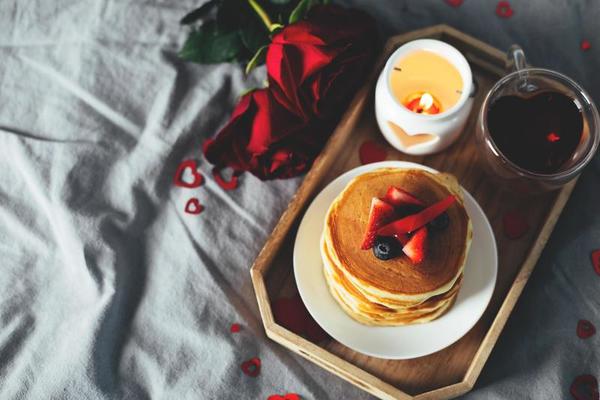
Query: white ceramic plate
{"type": "Point", "coordinates": [402, 342]}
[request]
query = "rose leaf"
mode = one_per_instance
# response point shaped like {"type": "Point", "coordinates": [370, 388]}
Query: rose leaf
{"type": "Point", "coordinates": [198, 13]}
{"type": "Point", "coordinates": [209, 45]}
{"type": "Point", "coordinates": [254, 35]}
{"type": "Point", "coordinates": [258, 59]}
{"type": "Point", "coordinates": [301, 9]}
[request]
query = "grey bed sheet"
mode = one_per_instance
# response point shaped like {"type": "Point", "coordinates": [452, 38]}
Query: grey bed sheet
{"type": "Point", "coordinates": [109, 290]}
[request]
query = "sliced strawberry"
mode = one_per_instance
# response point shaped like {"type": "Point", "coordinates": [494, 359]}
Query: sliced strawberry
{"type": "Point", "coordinates": [415, 221]}
{"type": "Point", "coordinates": [381, 213]}
{"type": "Point", "coordinates": [416, 247]}
{"type": "Point", "coordinates": [398, 197]}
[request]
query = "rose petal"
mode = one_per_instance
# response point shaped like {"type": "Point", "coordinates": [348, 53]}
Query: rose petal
{"type": "Point", "coordinates": [266, 134]}
{"type": "Point", "coordinates": [193, 206]}
{"type": "Point", "coordinates": [331, 42]}
{"type": "Point", "coordinates": [515, 225]}
{"type": "Point", "coordinates": [596, 260]}
{"type": "Point", "coordinates": [585, 45]}
{"type": "Point", "coordinates": [251, 367]}
{"type": "Point", "coordinates": [228, 146]}
{"type": "Point", "coordinates": [584, 387]}
{"type": "Point", "coordinates": [370, 152]}
{"type": "Point", "coordinates": [271, 123]}
{"type": "Point", "coordinates": [504, 9]}
{"type": "Point", "coordinates": [235, 328]}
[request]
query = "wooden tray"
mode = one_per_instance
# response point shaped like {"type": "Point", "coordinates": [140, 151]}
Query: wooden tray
{"type": "Point", "coordinates": [454, 370]}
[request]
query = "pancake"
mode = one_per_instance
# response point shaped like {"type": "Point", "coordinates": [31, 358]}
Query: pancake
{"type": "Point", "coordinates": [372, 313]}
{"type": "Point", "coordinates": [399, 279]}
{"type": "Point", "coordinates": [396, 291]}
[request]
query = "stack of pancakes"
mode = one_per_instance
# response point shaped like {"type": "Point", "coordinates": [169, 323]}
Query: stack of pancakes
{"type": "Point", "coordinates": [395, 291]}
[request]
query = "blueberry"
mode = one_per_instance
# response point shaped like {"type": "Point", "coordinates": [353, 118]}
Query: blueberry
{"type": "Point", "coordinates": [386, 247]}
{"type": "Point", "coordinates": [440, 223]}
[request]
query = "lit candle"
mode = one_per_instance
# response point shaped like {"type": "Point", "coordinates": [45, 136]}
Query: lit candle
{"type": "Point", "coordinates": [424, 96]}
{"type": "Point", "coordinates": [426, 83]}
{"type": "Point", "coordinates": [422, 103]}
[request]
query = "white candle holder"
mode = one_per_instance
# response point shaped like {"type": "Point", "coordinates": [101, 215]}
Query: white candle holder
{"type": "Point", "coordinates": [420, 134]}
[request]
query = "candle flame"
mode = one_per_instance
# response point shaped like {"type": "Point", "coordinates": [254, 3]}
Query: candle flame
{"type": "Point", "coordinates": [422, 103]}
{"type": "Point", "coordinates": [426, 101]}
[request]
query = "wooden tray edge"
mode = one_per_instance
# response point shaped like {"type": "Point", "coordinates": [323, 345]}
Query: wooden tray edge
{"type": "Point", "coordinates": [334, 364]}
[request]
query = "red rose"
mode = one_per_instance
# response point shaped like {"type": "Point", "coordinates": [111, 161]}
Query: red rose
{"type": "Point", "coordinates": [265, 138]}
{"type": "Point", "coordinates": [314, 66]}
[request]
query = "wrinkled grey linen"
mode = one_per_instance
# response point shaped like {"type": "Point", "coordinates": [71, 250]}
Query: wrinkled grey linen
{"type": "Point", "coordinates": [109, 290]}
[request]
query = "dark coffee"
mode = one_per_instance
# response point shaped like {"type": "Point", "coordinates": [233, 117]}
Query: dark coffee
{"type": "Point", "coordinates": [538, 133]}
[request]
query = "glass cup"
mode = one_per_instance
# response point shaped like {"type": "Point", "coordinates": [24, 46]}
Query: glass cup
{"type": "Point", "coordinates": [524, 82]}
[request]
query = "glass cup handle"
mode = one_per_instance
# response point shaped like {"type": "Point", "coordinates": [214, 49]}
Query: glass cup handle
{"type": "Point", "coordinates": [517, 55]}
{"type": "Point", "coordinates": [519, 65]}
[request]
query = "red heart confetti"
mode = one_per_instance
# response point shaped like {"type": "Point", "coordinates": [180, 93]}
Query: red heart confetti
{"type": "Point", "coordinates": [251, 367]}
{"type": "Point", "coordinates": [584, 387]}
{"type": "Point", "coordinates": [454, 3]}
{"type": "Point", "coordinates": [193, 206]}
{"type": "Point", "coordinates": [188, 167]}
{"type": "Point", "coordinates": [515, 224]}
{"type": "Point", "coordinates": [585, 329]}
{"type": "Point", "coordinates": [504, 10]}
{"type": "Point", "coordinates": [585, 45]}
{"type": "Point", "coordinates": [370, 152]}
{"type": "Point", "coordinates": [289, 396]}
{"type": "Point", "coordinates": [225, 185]}
{"type": "Point", "coordinates": [596, 260]}
{"type": "Point", "coordinates": [293, 315]}
{"type": "Point", "coordinates": [235, 328]}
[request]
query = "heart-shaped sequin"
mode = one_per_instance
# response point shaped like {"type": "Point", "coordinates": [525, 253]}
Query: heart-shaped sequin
{"type": "Point", "coordinates": [504, 10]}
{"type": "Point", "coordinates": [585, 387]}
{"type": "Point", "coordinates": [224, 184]}
{"type": "Point", "coordinates": [515, 225]}
{"type": "Point", "coordinates": [289, 396]}
{"type": "Point", "coordinates": [251, 367]}
{"type": "Point", "coordinates": [454, 3]}
{"type": "Point", "coordinates": [193, 206]}
{"type": "Point", "coordinates": [585, 329]}
{"type": "Point", "coordinates": [596, 260]}
{"type": "Point", "coordinates": [585, 45]}
{"type": "Point", "coordinates": [187, 175]}
{"type": "Point", "coordinates": [370, 152]}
